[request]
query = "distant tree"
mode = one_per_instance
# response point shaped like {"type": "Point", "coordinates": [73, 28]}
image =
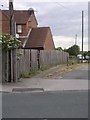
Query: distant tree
{"type": "Point", "coordinates": [85, 53]}
{"type": "Point", "coordinates": [88, 53]}
{"type": "Point", "coordinates": [65, 50]}
{"type": "Point", "coordinates": [59, 48]}
{"type": "Point", "coordinates": [74, 50]}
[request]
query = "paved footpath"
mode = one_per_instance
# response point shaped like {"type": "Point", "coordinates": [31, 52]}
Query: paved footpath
{"type": "Point", "coordinates": [47, 85]}
{"type": "Point", "coordinates": [42, 84]}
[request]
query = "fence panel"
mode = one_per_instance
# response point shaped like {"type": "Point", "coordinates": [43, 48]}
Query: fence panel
{"type": "Point", "coordinates": [34, 62]}
{"type": "Point", "coordinates": [27, 60]}
{"type": "Point", "coordinates": [0, 63]}
{"type": "Point", "coordinates": [52, 57]}
{"type": "Point", "coordinates": [23, 61]}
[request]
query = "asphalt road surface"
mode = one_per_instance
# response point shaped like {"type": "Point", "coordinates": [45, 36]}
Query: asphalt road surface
{"type": "Point", "coordinates": [78, 73]}
{"type": "Point", "coordinates": [56, 104]}
{"type": "Point", "coordinates": [61, 104]}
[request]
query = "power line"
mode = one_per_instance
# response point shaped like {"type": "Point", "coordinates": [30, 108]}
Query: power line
{"type": "Point", "coordinates": [61, 5]}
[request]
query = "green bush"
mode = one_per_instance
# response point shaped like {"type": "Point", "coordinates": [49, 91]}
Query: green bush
{"type": "Point", "coordinates": [8, 42]}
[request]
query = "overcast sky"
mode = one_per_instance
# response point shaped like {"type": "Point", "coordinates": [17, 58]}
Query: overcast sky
{"type": "Point", "coordinates": [64, 19]}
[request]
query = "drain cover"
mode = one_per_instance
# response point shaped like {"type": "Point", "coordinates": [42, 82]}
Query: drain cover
{"type": "Point", "coordinates": [27, 90]}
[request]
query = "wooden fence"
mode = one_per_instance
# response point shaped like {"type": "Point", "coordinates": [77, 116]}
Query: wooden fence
{"type": "Point", "coordinates": [32, 60]}
{"type": "Point", "coordinates": [0, 63]}
{"type": "Point", "coordinates": [29, 60]}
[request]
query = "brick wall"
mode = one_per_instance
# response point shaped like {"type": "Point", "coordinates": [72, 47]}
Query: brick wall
{"type": "Point", "coordinates": [5, 24]}
{"type": "Point", "coordinates": [49, 44]}
{"type": "Point", "coordinates": [6, 29]}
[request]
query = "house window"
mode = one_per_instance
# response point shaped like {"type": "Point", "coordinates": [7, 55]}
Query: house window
{"type": "Point", "coordinates": [19, 28]}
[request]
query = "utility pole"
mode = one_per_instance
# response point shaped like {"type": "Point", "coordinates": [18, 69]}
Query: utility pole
{"type": "Point", "coordinates": [12, 53]}
{"type": "Point", "coordinates": [11, 34]}
{"type": "Point", "coordinates": [76, 39]}
{"type": "Point", "coordinates": [82, 32]}
{"type": "Point", "coordinates": [11, 16]}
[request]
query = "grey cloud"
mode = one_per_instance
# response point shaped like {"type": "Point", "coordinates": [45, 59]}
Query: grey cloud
{"type": "Point", "coordinates": [63, 21]}
{"type": "Point", "coordinates": [63, 18]}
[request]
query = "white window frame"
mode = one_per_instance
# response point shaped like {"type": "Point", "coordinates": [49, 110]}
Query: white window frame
{"type": "Point", "coordinates": [19, 29]}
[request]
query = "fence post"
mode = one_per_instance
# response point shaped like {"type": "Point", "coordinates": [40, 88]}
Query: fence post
{"type": "Point", "coordinates": [30, 59]}
{"type": "Point", "coordinates": [4, 66]}
{"type": "Point", "coordinates": [9, 66]}
{"type": "Point", "coordinates": [38, 58]}
{"type": "Point", "coordinates": [0, 63]}
{"type": "Point", "coordinates": [15, 72]}
{"type": "Point", "coordinates": [67, 60]}
{"type": "Point", "coordinates": [62, 56]}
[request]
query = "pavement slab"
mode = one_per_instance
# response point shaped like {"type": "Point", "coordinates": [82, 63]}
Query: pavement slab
{"type": "Point", "coordinates": [47, 85]}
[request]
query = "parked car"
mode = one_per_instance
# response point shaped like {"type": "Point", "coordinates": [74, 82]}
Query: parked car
{"type": "Point", "coordinates": [81, 57]}
{"type": "Point", "coordinates": [87, 57]}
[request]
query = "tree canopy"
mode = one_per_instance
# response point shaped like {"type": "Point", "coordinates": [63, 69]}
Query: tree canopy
{"type": "Point", "coordinates": [73, 50]}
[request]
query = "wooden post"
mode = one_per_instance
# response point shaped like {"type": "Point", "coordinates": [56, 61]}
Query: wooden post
{"type": "Point", "coordinates": [67, 60]}
{"type": "Point", "coordinates": [30, 59]}
{"type": "Point", "coordinates": [7, 62]}
{"type": "Point", "coordinates": [15, 73]}
{"type": "Point", "coordinates": [13, 54]}
{"type": "Point", "coordinates": [38, 58]}
{"type": "Point", "coordinates": [11, 33]}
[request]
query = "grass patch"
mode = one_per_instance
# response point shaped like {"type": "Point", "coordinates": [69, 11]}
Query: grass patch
{"type": "Point", "coordinates": [43, 68]}
{"type": "Point", "coordinates": [22, 75]}
{"type": "Point", "coordinates": [30, 75]}
{"type": "Point", "coordinates": [50, 66]}
{"type": "Point", "coordinates": [62, 70]}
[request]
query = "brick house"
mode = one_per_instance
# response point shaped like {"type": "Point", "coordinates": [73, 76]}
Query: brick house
{"type": "Point", "coordinates": [41, 39]}
{"type": "Point", "coordinates": [25, 20]}
{"type": "Point", "coordinates": [27, 31]}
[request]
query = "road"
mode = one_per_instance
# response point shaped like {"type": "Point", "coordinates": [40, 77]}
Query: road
{"type": "Point", "coordinates": [49, 104]}
{"type": "Point", "coordinates": [61, 104]}
{"type": "Point", "coordinates": [78, 73]}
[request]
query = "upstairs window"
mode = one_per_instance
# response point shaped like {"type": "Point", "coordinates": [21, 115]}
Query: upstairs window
{"type": "Point", "coordinates": [19, 29]}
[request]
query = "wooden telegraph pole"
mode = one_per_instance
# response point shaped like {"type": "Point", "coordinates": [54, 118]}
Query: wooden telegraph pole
{"type": "Point", "coordinates": [12, 53]}
{"type": "Point", "coordinates": [11, 29]}
{"type": "Point", "coordinates": [11, 16]}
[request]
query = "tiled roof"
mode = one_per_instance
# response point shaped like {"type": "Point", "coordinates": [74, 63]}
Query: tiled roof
{"type": "Point", "coordinates": [37, 38]}
{"type": "Point", "coordinates": [21, 16]}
